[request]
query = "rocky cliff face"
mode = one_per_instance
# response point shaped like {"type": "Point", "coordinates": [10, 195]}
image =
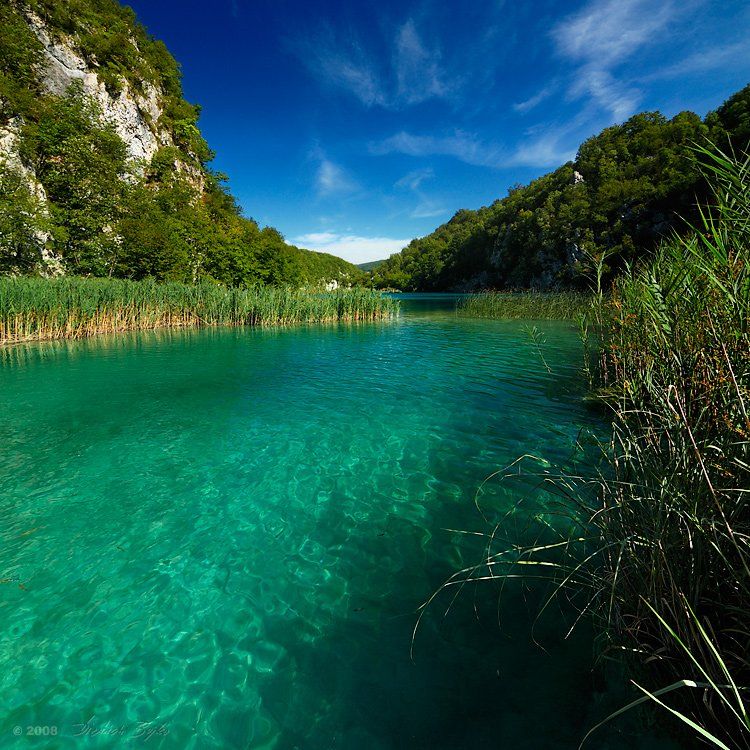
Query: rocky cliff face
{"type": "Point", "coordinates": [134, 115]}
{"type": "Point", "coordinates": [134, 110]}
{"type": "Point", "coordinates": [133, 106]}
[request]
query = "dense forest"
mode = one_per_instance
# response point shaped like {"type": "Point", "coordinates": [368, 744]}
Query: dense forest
{"type": "Point", "coordinates": [88, 208]}
{"type": "Point", "coordinates": [629, 187]}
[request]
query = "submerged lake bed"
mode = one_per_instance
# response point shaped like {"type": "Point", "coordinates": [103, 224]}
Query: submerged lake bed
{"type": "Point", "coordinates": [224, 536]}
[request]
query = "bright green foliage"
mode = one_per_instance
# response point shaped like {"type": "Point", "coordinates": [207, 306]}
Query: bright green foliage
{"type": "Point", "coordinates": [20, 56]}
{"type": "Point", "coordinates": [81, 164]}
{"type": "Point", "coordinates": [730, 124]}
{"type": "Point", "coordinates": [181, 119]}
{"type": "Point", "coordinates": [175, 221]}
{"type": "Point", "coordinates": [23, 223]}
{"type": "Point", "coordinates": [316, 266]}
{"type": "Point", "coordinates": [628, 188]}
{"type": "Point", "coordinates": [38, 309]}
{"type": "Point", "coordinates": [171, 234]}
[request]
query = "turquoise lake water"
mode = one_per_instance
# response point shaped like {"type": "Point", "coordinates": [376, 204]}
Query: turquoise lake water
{"type": "Point", "coordinates": [225, 535]}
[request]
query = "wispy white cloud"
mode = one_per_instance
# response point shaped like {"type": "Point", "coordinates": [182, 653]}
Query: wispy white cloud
{"type": "Point", "coordinates": [315, 240]}
{"type": "Point", "coordinates": [606, 32]}
{"type": "Point", "coordinates": [330, 178]}
{"type": "Point", "coordinates": [347, 67]}
{"type": "Point", "coordinates": [544, 151]}
{"type": "Point", "coordinates": [412, 180]}
{"type": "Point", "coordinates": [419, 76]}
{"type": "Point", "coordinates": [354, 248]}
{"type": "Point", "coordinates": [603, 35]}
{"type": "Point", "coordinates": [461, 145]}
{"type": "Point", "coordinates": [412, 75]}
{"type": "Point", "coordinates": [534, 101]}
{"type": "Point", "coordinates": [620, 99]}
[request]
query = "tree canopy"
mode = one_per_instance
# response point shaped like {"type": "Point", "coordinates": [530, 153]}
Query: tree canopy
{"type": "Point", "coordinates": [98, 213]}
{"type": "Point", "coordinates": [628, 187]}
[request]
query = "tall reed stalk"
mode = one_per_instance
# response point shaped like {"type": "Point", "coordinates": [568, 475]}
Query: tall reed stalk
{"type": "Point", "coordinates": [35, 309]}
{"type": "Point", "coordinates": [674, 527]}
{"type": "Point", "coordinates": [656, 548]}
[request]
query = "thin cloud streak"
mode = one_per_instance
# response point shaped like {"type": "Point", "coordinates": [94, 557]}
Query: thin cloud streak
{"type": "Point", "coordinates": [545, 151]}
{"type": "Point", "coordinates": [606, 91]}
{"type": "Point", "coordinates": [733, 56]}
{"type": "Point", "coordinates": [415, 178]}
{"type": "Point", "coordinates": [426, 207]}
{"type": "Point", "coordinates": [601, 36]}
{"type": "Point", "coordinates": [428, 210]}
{"type": "Point", "coordinates": [413, 74]}
{"type": "Point", "coordinates": [534, 101]}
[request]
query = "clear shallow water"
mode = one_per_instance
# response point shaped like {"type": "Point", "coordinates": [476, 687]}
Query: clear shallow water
{"type": "Point", "coordinates": [226, 534]}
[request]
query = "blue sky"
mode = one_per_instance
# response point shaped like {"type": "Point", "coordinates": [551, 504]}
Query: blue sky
{"type": "Point", "coordinates": [355, 126]}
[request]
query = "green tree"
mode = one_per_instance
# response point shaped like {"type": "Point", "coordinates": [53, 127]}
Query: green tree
{"type": "Point", "coordinates": [23, 224]}
{"type": "Point", "coordinates": [81, 163]}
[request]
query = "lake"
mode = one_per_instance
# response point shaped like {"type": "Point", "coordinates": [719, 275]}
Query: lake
{"type": "Point", "coordinates": [220, 538]}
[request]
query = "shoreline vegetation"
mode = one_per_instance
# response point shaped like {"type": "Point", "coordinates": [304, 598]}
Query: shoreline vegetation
{"type": "Point", "coordinates": [657, 551]}
{"type": "Point", "coordinates": [38, 309]}
{"type": "Point", "coordinates": [526, 305]}
{"type": "Point", "coordinates": [626, 190]}
{"type": "Point", "coordinates": [670, 584]}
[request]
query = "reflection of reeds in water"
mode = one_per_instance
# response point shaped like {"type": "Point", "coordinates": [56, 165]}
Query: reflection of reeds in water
{"type": "Point", "coordinates": [26, 352]}
{"type": "Point", "coordinates": [33, 309]}
{"type": "Point", "coordinates": [525, 305]}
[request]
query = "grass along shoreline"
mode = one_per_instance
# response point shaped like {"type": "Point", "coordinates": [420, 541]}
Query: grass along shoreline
{"type": "Point", "coordinates": [525, 305]}
{"type": "Point", "coordinates": [37, 309]}
{"type": "Point", "coordinates": [658, 551]}
{"type": "Point", "coordinates": [671, 583]}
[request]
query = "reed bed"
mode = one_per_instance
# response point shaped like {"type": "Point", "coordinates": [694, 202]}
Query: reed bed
{"type": "Point", "coordinates": [36, 309]}
{"type": "Point", "coordinates": [525, 305]}
{"type": "Point", "coordinates": [673, 583]}
{"type": "Point", "coordinates": [655, 546]}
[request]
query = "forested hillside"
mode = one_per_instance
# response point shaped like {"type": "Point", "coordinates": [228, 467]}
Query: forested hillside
{"type": "Point", "coordinates": [103, 169]}
{"type": "Point", "coordinates": [628, 187]}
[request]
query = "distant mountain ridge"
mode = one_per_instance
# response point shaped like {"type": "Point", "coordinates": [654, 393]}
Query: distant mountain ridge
{"type": "Point", "coordinates": [627, 188]}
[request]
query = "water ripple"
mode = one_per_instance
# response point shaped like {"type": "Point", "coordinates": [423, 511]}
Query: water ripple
{"type": "Point", "coordinates": [226, 534]}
